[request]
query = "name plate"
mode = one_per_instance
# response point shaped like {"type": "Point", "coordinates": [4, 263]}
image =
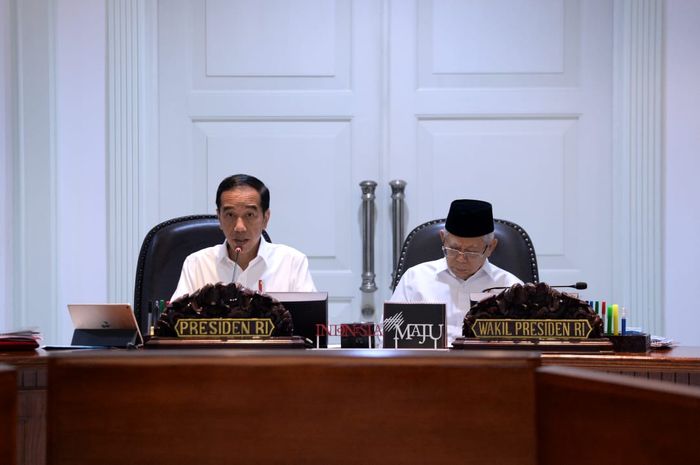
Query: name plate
{"type": "Point", "coordinates": [224, 327]}
{"type": "Point", "coordinates": [531, 329]}
{"type": "Point", "coordinates": [414, 326]}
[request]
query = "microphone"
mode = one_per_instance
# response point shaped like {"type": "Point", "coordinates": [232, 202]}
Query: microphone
{"type": "Point", "coordinates": [237, 252]}
{"type": "Point", "coordinates": [579, 285]}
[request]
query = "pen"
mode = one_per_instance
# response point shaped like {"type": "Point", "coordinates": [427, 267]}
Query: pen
{"type": "Point", "coordinates": [603, 317]}
{"type": "Point", "coordinates": [149, 323]}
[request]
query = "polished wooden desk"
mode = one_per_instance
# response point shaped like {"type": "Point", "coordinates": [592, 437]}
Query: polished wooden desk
{"type": "Point", "coordinates": [31, 404]}
{"type": "Point", "coordinates": [8, 415]}
{"type": "Point", "coordinates": [680, 365]}
{"type": "Point", "coordinates": [586, 417]}
{"type": "Point", "coordinates": [290, 407]}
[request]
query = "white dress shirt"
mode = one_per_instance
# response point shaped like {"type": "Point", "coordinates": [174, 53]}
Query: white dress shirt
{"type": "Point", "coordinates": [276, 268]}
{"type": "Point", "coordinates": [434, 282]}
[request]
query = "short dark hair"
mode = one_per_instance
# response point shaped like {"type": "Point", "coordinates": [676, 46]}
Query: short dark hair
{"type": "Point", "coordinates": [241, 180]}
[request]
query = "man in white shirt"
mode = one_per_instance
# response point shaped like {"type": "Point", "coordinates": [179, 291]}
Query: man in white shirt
{"type": "Point", "coordinates": [243, 208]}
{"type": "Point", "coordinates": [468, 241]}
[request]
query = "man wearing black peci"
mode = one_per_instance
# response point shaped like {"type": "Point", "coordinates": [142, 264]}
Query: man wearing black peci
{"type": "Point", "coordinates": [467, 242]}
{"type": "Point", "coordinates": [242, 206]}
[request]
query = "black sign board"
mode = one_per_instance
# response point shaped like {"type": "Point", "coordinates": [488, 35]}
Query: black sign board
{"type": "Point", "coordinates": [414, 326]}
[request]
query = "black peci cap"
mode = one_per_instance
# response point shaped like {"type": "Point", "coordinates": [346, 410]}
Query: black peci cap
{"type": "Point", "coordinates": [469, 218]}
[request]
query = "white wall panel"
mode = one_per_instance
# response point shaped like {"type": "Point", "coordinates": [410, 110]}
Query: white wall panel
{"type": "Point", "coordinates": [497, 36]}
{"type": "Point", "coordinates": [7, 92]}
{"type": "Point", "coordinates": [81, 155]}
{"type": "Point", "coordinates": [292, 38]}
{"type": "Point", "coordinates": [125, 143]}
{"type": "Point", "coordinates": [638, 162]}
{"type": "Point", "coordinates": [36, 235]}
{"type": "Point", "coordinates": [682, 164]}
{"type": "Point", "coordinates": [520, 165]}
{"type": "Point", "coordinates": [496, 43]}
{"type": "Point", "coordinates": [268, 45]}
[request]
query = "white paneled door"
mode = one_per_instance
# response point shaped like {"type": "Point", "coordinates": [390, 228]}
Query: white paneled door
{"type": "Point", "coordinates": [504, 100]}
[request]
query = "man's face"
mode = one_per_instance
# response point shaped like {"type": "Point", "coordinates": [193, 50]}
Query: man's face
{"type": "Point", "coordinates": [242, 220]}
{"type": "Point", "coordinates": [461, 265]}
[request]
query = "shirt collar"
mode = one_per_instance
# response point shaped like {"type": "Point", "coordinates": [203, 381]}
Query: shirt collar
{"type": "Point", "coordinates": [264, 251]}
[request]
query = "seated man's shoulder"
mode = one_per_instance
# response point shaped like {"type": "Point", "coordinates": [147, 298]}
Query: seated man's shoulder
{"type": "Point", "coordinates": [502, 276]}
{"type": "Point", "coordinates": [425, 267]}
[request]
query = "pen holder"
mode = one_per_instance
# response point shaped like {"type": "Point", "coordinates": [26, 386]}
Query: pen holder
{"type": "Point", "coordinates": [632, 343]}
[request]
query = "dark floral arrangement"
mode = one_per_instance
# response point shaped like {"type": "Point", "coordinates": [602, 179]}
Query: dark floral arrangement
{"type": "Point", "coordinates": [225, 301]}
{"type": "Point", "coordinates": [535, 302]}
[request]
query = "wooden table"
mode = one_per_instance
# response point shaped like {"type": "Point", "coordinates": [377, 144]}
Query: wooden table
{"type": "Point", "coordinates": [680, 365]}
{"type": "Point", "coordinates": [31, 404]}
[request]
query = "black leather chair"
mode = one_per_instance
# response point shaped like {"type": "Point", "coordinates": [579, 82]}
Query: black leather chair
{"type": "Point", "coordinates": [162, 254]}
{"type": "Point", "coordinates": [514, 253]}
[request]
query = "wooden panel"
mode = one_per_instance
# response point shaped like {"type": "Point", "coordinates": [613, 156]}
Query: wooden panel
{"type": "Point", "coordinates": [332, 407]}
{"type": "Point", "coordinates": [586, 417]}
{"type": "Point", "coordinates": [8, 415]}
{"type": "Point", "coordinates": [31, 421]}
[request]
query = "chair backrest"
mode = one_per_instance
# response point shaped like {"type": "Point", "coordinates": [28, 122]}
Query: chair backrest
{"type": "Point", "coordinates": [514, 253]}
{"type": "Point", "coordinates": [162, 253]}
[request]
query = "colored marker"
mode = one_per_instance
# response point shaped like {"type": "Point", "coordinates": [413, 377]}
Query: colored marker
{"type": "Point", "coordinates": [616, 320]}
{"type": "Point", "coordinates": [603, 317]}
{"type": "Point", "coordinates": [624, 321]}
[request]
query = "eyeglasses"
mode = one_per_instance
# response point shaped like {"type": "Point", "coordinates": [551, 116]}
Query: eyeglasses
{"type": "Point", "coordinates": [454, 253]}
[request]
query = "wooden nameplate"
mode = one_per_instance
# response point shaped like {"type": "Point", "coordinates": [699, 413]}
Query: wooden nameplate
{"type": "Point", "coordinates": [599, 346]}
{"type": "Point", "coordinates": [293, 342]}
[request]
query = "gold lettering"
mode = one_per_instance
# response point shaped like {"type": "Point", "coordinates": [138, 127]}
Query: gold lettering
{"type": "Point", "coordinates": [483, 328]}
{"type": "Point", "coordinates": [518, 328]}
{"type": "Point", "coordinates": [260, 327]}
{"type": "Point", "coordinates": [527, 328]}
{"type": "Point", "coordinates": [193, 328]}
{"type": "Point", "coordinates": [245, 328]}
